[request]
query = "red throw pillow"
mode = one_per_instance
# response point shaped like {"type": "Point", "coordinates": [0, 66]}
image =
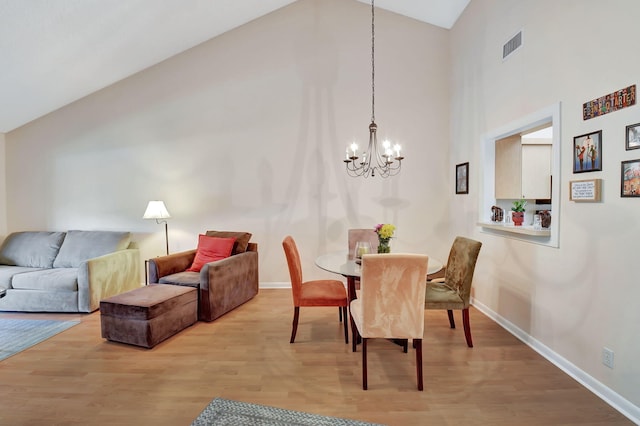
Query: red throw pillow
{"type": "Point", "coordinates": [211, 249]}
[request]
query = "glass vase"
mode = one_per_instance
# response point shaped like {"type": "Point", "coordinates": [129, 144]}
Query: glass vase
{"type": "Point", "coordinates": [383, 245]}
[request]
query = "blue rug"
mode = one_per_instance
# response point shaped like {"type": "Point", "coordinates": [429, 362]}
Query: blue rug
{"type": "Point", "coordinates": [17, 335]}
{"type": "Point", "coordinates": [226, 412]}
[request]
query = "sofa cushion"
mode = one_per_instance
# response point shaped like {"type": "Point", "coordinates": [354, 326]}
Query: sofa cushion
{"type": "Point", "coordinates": [57, 279]}
{"type": "Point", "coordinates": [211, 249]}
{"type": "Point", "coordinates": [242, 239]}
{"type": "Point", "coordinates": [7, 272]}
{"type": "Point", "coordinates": [79, 246]}
{"type": "Point", "coordinates": [189, 279]}
{"type": "Point", "coordinates": [34, 249]}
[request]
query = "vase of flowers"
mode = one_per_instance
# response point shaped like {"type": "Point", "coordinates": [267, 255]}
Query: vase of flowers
{"type": "Point", "coordinates": [385, 232]}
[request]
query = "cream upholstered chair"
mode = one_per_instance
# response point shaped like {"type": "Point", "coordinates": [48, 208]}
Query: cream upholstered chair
{"type": "Point", "coordinates": [355, 235]}
{"type": "Point", "coordinates": [312, 293]}
{"type": "Point", "coordinates": [454, 290]}
{"type": "Point", "coordinates": [390, 304]}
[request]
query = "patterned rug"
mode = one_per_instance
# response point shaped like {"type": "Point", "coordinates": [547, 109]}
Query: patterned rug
{"type": "Point", "coordinates": [17, 335]}
{"type": "Point", "coordinates": [226, 412]}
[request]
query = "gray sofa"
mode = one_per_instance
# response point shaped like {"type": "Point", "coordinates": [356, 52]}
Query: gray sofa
{"type": "Point", "coordinates": [66, 271]}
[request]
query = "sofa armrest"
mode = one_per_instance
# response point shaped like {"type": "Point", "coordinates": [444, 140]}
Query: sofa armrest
{"type": "Point", "coordinates": [172, 264]}
{"type": "Point", "coordinates": [107, 275]}
{"type": "Point", "coordinates": [226, 284]}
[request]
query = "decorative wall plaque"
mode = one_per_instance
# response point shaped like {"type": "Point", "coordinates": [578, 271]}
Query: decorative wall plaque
{"type": "Point", "coordinates": [608, 103]}
{"type": "Point", "coordinates": [585, 190]}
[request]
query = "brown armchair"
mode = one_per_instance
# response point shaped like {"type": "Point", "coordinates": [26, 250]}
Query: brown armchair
{"type": "Point", "coordinates": [223, 285]}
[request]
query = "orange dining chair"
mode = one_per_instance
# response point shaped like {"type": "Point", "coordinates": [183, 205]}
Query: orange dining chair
{"type": "Point", "coordinates": [312, 293]}
{"type": "Point", "coordinates": [454, 290]}
{"type": "Point", "coordinates": [390, 303]}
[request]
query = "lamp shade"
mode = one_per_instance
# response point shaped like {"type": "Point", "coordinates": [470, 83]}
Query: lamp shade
{"type": "Point", "coordinates": [156, 210]}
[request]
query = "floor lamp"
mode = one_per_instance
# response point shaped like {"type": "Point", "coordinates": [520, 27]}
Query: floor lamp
{"type": "Point", "coordinates": [158, 211]}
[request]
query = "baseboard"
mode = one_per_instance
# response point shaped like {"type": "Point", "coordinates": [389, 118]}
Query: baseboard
{"type": "Point", "coordinates": [615, 400]}
{"type": "Point", "coordinates": [274, 284]}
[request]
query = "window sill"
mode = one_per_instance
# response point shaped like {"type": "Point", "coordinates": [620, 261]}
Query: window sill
{"type": "Point", "coordinates": [524, 230]}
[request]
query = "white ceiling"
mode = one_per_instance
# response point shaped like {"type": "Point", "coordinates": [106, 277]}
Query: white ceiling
{"type": "Point", "coordinates": [55, 52]}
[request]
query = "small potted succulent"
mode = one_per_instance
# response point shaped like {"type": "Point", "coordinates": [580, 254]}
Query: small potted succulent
{"type": "Point", "coordinates": [518, 212]}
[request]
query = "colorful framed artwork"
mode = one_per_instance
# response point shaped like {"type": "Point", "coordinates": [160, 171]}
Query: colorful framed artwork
{"type": "Point", "coordinates": [587, 152]}
{"type": "Point", "coordinates": [630, 178]}
{"type": "Point", "coordinates": [633, 137]}
{"type": "Point", "coordinates": [462, 178]}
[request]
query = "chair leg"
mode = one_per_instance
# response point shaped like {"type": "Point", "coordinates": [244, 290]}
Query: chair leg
{"type": "Point", "coordinates": [364, 363]}
{"type": "Point", "coordinates": [452, 322]}
{"type": "Point", "coordinates": [418, 345]}
{"type": "Point", "coordinates": [340, 314]}
{"type": "Point", "coordinates": [405, 345]}
{"type": "Point", "coordinates": [467, 327]}
{"type": "Point", "coordinates": [355, 336]}
{"type": "Point", "coordinates": [296, 314]}
{"type": "Point", "coordinates": [343, 313]}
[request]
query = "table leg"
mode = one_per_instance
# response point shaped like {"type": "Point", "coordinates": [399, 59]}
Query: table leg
{"type": "Point", "coordinates": [351, 288]}
{"type": "Point", "coordinates": [351, 294]}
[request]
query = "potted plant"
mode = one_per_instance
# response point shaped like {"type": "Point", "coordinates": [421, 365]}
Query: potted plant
{"type": "Point", "coordinates": [518, 212]}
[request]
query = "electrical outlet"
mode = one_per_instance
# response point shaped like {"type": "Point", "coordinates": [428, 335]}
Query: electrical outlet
{"type": "Point", "coordinates": [607, 357]}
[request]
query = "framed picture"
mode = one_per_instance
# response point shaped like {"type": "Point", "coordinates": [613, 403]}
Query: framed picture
{"type": "Point", "coordinates": [630, 178]}
{"type": "Point", "coordinates": [587, 152]}
{"type": "Point", "coordinates": [462, 178]}
{"type": "Point", "coordinates": [633, 136]}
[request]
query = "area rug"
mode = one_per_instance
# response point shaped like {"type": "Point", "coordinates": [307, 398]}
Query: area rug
{"type": "Point", "coordinates": [226, 412]}
{"type": "Point", "coordinates": [17, 335]}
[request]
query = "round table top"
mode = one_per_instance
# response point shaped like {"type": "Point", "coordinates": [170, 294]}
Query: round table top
{"type": "Point", "coordinates": [338, 262]}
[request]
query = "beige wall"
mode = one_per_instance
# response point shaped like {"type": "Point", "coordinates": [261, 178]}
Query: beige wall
{"type": "Point", "coordinates": [3, 186]}
{"type": "Point", "coordinates": [248, 132]}
{"type": "Point", "coordinates": [573, 300]}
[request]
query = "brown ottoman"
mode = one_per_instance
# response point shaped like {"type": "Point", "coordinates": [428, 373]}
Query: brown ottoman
{"type": "Point", "coordinates": [148, 315]}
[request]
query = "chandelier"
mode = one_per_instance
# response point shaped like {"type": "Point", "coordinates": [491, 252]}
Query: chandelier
{"type": "Point", "coordinates": [384, 160]}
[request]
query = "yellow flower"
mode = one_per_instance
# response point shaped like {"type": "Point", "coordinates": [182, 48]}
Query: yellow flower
{"type": "Point", "coordinates": [385, 230]}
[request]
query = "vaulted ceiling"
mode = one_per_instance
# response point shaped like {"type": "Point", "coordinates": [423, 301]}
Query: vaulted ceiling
{"type": "Point", "coordinates": [55, 52]}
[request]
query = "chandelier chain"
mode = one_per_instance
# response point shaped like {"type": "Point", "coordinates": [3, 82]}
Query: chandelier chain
{"type": "Point", "coordinates": [373, 65]}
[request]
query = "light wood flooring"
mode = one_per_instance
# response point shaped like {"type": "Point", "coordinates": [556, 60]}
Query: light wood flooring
{"type": "Point", "coordinates": [77, 378]}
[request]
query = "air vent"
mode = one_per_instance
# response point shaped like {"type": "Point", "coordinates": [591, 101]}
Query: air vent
{"type": "Point", "coordinates": [512, 45]}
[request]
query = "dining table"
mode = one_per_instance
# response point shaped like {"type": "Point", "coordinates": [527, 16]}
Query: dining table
{"type": "Point", "coordinates": [339, 262]}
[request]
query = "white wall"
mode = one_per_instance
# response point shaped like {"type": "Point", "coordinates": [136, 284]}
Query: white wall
{"type": "Point", "coordinates": [248, 132]}
{"type": "Point", "coordinates": [3, 186]}
{"type": "Point", "coordinates": [578, 298]}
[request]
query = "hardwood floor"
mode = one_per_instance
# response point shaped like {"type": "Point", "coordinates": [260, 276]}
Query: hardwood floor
{"type": "Point", "coordinates": [77, 378]}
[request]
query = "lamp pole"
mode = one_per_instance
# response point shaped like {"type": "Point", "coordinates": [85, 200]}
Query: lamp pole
{"type": "Point", "coordinates": [166, 235]}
